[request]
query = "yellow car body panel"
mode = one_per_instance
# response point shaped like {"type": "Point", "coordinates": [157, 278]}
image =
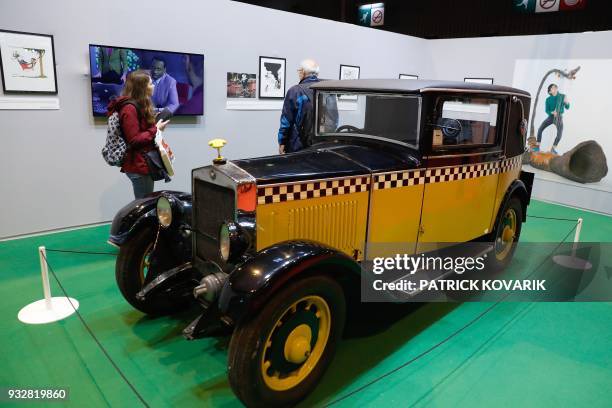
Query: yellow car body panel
{"type": "Point", "coordinates": [338, 221]}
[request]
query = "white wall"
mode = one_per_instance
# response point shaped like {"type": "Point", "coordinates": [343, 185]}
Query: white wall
{"type": "Point", "coordinates": [52, 173]}
{"type": "Point", "coordinates": [455, 59]}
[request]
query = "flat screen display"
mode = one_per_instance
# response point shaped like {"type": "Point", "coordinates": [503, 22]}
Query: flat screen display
{"type": "Point", "coordinates": [178, 78]}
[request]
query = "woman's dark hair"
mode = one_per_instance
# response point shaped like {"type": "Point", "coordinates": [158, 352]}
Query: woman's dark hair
{"type": "Point", "coordinates": [550, 87]}
{"type": "Point", "coordinates": [137, 88]}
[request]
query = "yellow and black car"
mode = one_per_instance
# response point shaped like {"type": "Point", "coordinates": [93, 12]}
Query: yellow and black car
{"type": "Point", "coordinates": [272, 246]}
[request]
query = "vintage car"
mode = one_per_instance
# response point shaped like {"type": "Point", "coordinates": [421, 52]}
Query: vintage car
{"type": "Point", "coordinates": [271, 246]}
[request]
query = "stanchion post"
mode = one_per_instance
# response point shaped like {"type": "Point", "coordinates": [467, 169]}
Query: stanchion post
{"type": "Point", "coordinates": [49, 309]}
{"type": "Point", "coordinates": [44, 271]}
{"type": "Point", "coordinates": [573, 262]}
{"type": "Point", "coordinates": [577, 236]}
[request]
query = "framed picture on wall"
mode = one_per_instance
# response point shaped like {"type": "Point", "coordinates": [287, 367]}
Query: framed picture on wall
{"type": "Point", "coordinates": [479, 80]}
{"type": "Point", "coordinates": [241, 85]}
{"type": "Point", "coordinates": [272, 77]}
{"type": "Point", "coordinates": [408, 76]}
{"type": "Point", "coordinates": [27, 63]}
{"type": "Point", "coordinates": [349, 72]}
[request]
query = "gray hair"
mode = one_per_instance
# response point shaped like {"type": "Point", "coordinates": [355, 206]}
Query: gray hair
{"type": "Point", "coordinates": [310, 67]}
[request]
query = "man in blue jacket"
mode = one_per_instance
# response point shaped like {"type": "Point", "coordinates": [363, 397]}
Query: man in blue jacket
{"type": "Point", "coordinates": [296, 107]}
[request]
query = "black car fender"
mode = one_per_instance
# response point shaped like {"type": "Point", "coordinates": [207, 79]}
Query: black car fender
{"type": "Point", "coordinates": [251, 283]}
{"type": "Point", "coordinates": [520, 188]}
{"type": "Point", "coordinates": [141, 213]}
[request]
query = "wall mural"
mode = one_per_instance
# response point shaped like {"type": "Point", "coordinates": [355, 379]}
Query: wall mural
{"type": "Point", "coordinates": [568, 132]}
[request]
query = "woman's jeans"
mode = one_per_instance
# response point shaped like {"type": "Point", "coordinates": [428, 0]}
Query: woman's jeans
{"type": "Point", "coordinates": [142, 184]}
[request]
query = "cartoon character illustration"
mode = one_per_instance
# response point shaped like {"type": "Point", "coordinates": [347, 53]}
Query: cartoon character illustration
{"type": "Point", "coordinates": [28, 59]}
{"type": "Point", "coordinates": [23, 63]}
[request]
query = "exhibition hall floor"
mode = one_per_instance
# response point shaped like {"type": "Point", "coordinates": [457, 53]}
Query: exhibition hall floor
{"type": "Point", "coordinates": [518, 354]}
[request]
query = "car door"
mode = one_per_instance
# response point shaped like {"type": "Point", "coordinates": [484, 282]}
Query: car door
{"type": "Point", "coordinates": [396, 193]}
{"type": "Point", "coordinates": [462, 163]}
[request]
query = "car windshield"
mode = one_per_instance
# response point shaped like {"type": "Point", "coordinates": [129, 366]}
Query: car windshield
{"type": "Point", "coordinates": [391, 117]}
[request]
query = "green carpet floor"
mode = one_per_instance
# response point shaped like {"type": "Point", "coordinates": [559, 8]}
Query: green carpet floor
{"type": "Point", "coordinates": [518, 354]}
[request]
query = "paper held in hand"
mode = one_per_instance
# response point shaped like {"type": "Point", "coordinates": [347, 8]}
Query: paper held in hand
{"type": "Point", "coordinates": [165, 152]}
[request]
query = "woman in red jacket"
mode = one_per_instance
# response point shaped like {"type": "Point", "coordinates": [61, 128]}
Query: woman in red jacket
{"type": "Point", "coordinates": [137, 120]}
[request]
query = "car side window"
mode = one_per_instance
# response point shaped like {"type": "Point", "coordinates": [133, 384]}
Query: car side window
{"type": "Point", "coordinates": [465, 121]}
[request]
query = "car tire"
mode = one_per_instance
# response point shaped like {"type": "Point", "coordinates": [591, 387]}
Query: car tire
{"type": "Point", "coordinates": [506, 234]}
{"type": "Point", "coordinates": [130, 275]}
{"type": "Point", "coordinates": [265, 352]}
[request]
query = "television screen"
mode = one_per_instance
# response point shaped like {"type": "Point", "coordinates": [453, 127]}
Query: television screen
{"type": "Point", "coordinates": [178, 78]}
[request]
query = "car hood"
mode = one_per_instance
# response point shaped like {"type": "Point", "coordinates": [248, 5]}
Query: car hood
{"type": "Point", "coordinates": [325, 160]}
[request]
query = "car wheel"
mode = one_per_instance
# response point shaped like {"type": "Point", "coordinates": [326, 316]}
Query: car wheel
{"type": "Point", "coordinates": [134, 268]}
{"type": "Point", "coordinates": [506, 234]}
{"type": "Point", "coordinates": [277, 357]}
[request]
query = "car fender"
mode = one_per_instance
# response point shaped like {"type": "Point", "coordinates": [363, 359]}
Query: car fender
{"type": "Point", "coordinates": [141, 213]}
{"type": "Point", "coordinates": [522, 189]}
{"type": "Point", "coordinates": [251, 283]}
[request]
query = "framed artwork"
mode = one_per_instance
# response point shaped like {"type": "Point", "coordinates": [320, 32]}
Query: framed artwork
{"type": "Point", "coordinates": [408, 76]}
{"type": "Point", "coordinates": [480, 80]}
{"type": "Point", "coordinates": [272, 77]}
{"type": "Point", "coordinates": [241, 85]}
{"type": "Point", "coordinates": [349, 72]}
{"type": "Point", "coordinates": [27, 63]}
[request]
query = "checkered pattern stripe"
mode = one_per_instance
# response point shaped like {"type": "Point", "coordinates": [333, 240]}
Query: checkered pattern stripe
{"type": "Point", "coordinates": [400, 179]}
{"type": "Point", "coordinates": [511, 163]}
{"type": "Point", "coordinates": [305, 190]}
{"type": "Point", "coordinates": [443, 174]}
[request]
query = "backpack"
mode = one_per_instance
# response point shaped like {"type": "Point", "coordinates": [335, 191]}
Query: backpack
{"type": "Point", "coordinates": [115, 147]}
{"type": "Point", "coordinates": [306, 130]}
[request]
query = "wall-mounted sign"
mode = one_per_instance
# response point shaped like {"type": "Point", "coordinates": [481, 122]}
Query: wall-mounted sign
{"type": "Point", "coordinates": [372, 15]}
{"type": "Point", "coordinates": [547, 6]}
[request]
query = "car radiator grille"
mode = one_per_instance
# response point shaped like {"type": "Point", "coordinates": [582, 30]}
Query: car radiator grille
{"type": "Point", "coordinates": [213, 205]}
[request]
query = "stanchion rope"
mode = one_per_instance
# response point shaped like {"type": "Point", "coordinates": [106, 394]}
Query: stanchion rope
{"type": "Point", "coordinates": [551, 218]}
{"type": "Point", "coordinates": [93, 336]}
{"type": "Point", "coordinates": [74, 251]}
{"type": "Point", "coordinates": [449, 337]}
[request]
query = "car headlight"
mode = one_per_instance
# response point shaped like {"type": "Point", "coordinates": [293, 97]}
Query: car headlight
{"type": "Point", "coordinates": [232, 242]}
{"type": "Point", "coordinates": [164, 211]}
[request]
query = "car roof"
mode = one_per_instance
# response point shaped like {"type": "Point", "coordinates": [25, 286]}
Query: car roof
{"type": "Point", "coordinates": [414, 86]}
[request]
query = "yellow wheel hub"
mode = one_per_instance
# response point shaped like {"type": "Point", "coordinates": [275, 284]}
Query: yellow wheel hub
{"type": "Point", "coordinates": [289, 356]}
{"type": "Point", "coordinates": [297, 346]}
{"type": "Point", "coordinates": [507, 235]}
{"type": "Point", "coordinates": [505, 239]}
